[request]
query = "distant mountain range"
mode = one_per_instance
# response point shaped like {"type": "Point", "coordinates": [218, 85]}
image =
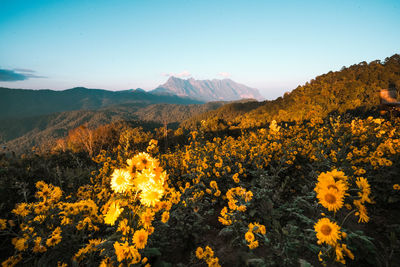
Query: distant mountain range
{"type": "Point", "coordinates": [207, 90]}
{"type": "Point", "coordinates": [20, 103]}
{"type": "Point", "coordinates": [29, 117]}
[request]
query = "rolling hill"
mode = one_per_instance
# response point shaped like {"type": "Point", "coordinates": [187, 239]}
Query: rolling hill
{"type": "Point", "coordinates": [23, 133]}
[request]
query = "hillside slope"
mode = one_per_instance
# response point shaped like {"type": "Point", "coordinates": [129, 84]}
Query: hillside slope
{"type": "Point", "coordinates": [350, 88]}
{"type": "Point", "coordinates": [21, 134]}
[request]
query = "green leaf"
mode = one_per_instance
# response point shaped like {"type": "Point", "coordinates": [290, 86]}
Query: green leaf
{"type": "Point", "coordinates": [225, 232]}
{"type": "Point", "coordinates": [252, 212]}
{"type": "Point", "coordinates": [152, 252]}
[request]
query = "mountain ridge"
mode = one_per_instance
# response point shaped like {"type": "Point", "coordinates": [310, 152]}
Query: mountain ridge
{"type": "Point", "coordinates": [207, 90]}
{"type": "Point", "coordinates": [19, 103]}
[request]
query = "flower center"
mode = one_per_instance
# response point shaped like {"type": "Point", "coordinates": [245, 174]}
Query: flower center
{"type": "Point", "coordinates": [326, 229]}
{"type": "Point", "coordinates": [120, 180]}
{"type": "Point", "coordinates": [331, 199]}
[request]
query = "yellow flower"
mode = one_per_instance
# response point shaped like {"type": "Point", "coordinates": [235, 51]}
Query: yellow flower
{"type": "Point", "coordinates": [257, 228]}
{"type": "Point", "coordinates": [199, 253]}
{"type": "Point", "coordinates": [140, 238]}
{"type": "Point", "coordinates": [125, 251]}
{"type": "Point", "coordinates": [12, 261]}
{"type": "Point", "coordinates": [208, 252]}
{"type": "Point", "coordinates": [165, 217]}
{"type": "Point", "coordinates": [151, 195]}
{"type": "Point", "coordinates": [3, 224]}
{"type": "Point", "coordinates": [253, 244]}
{"type": "Point", "coordinates": [248, 196]}
{"type": "Point", "coordinates": [338, 175]}
{"type": "Point", "coordinates": [120, 250]}
{"type": "Point", "coordinates": [320, 256]}
{"type": "Point", "coordinates": [339, 254]}
{"type": "Point", "coordinates": [344, 235]}
{"type": "Point", "coordinates": [327, 181]}
{"type": "Point", "coordinates": [144, 178]}
{"type": "Point", "coordinates": [331, 199]}
{"type": "Point", "coordinates": [396, 187]}
{"type": "Point", "coordinates": [347, 251]}
{"type": "Point", "coordinates": [140, 162]}
{"type": "Point", "coordinates": [20, 244]}
{"type": "Point", "coordinates": [124, 227]}
{"type": "Point", "coordinates": [112, 214]}
{"type": "Point", "coordinates": [213, 262]}
{"type": "Point", "coordinates": [105, 263]}
{"type": "Point", "coordinates": [327, 231]}
{"type": "Point", "coordinates": [21, 209]}
{"type": "Point", "coordinates": [38, 248]}
{"type": "Point", "coordinates": [362, 211]}
{"type": "Point", "coordinates": [362, 183]}
{"type": "Point", "coordinates": [213, 184]}
{"type": "Point", "coordinates": [147, 218]}
{"type": "Point", "coordinates": [249, 236]}
{"type": "Point", "coordinates": [121, 181]}
{"type": "Point", "coordinates": [150, 230]}
{"type": "Point", "coordinates": [55, 238]}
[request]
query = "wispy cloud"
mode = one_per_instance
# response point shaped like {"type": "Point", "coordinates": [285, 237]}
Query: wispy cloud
{"type": "Point", "coordinates": [183, 74]}
{"type": "Point", "coordinates": [24, 70]}
{"type": "Point", "coordinates": [224, 74]}
{"type": "Point", "coordinates": [17, 75]}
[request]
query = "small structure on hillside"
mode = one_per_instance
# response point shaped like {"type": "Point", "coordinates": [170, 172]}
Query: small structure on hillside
{"type": "Point", "coordinates": [389, 97]}
{"type": "Point", "coordinates": [389, 100]}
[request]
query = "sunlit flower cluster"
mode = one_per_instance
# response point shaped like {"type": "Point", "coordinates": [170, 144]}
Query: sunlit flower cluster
{"type": "Point", "coordinates": [254, 229]}
{"type": "Point", "coordinates": [331, 189]}
{"type": "Point", "coordinates": [207, 254]}
{"type": "Point", "coordinates": [329, 232]}
{"type": "Point", "coordinates": [142, 175]}
{"type": "Point", "coordinates": [237, 198]}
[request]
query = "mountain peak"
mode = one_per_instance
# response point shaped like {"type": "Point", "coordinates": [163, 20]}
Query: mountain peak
{"type": "Point", "coordinates": [207, 90]}
{"type": "Point", "coordinates": [173, 78]}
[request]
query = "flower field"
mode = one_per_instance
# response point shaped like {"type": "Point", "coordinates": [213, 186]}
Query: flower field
{"type": "Point", "coordinates": [319, 192]}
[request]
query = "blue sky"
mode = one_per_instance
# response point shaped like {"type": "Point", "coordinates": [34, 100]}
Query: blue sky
{"type": "Point", "coordinates": [270, 45]}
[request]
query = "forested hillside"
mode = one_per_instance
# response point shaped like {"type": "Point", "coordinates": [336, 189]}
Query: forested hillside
{"type": "Point", "coordinates": [21, 134]}
{"type": "Point", "coordinates": [351, 88]}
